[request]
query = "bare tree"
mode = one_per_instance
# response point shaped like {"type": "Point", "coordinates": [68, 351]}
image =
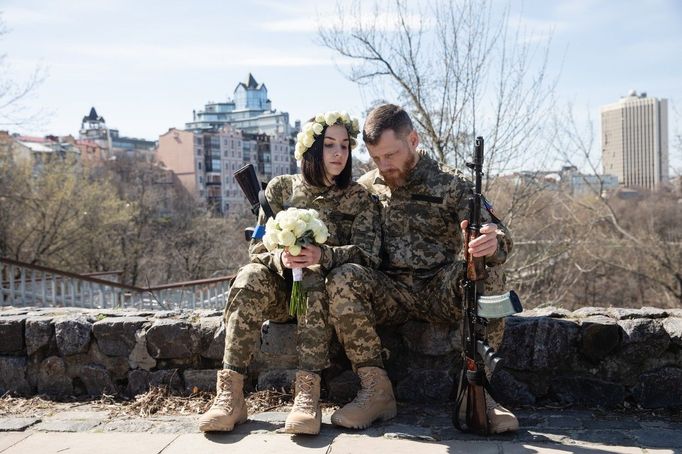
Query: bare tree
{"type": "Point", "coordinates": [13, 94]}
{"type": "Point", "coordinates": [55, 212]}
{"type": "Point", "coordinates": [633, 245]}
{"type": "Point", "coordinates": [459, 67]}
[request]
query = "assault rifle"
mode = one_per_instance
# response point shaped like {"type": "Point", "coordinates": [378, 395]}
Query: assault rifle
{"type": "Point", "coordinates": [255, 194]}
{"type": "Point", "coordinates": [477, 309]}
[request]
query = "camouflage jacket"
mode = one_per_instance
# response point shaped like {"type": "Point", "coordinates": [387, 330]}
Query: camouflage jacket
{"type": "Point", "coordinates": [420, 220]}
{"type": "Point", "coordinates": [351, 216]}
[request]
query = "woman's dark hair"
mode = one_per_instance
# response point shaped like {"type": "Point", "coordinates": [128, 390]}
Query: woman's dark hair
{"type": "Point", "coordinates": [312, 165]}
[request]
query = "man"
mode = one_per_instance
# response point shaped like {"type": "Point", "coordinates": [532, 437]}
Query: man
{"type": "Point", "coordinates": [424, 210]}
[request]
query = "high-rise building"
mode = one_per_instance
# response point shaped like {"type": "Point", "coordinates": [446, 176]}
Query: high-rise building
{"type": "Point", "coordinates": [250, 111]}
{"type": "Point", "coordinates": [634, 137]}
{"type": "Point", "coordinates": [205, 161]}
{"type": "Point", "coordinates": [224, 137]}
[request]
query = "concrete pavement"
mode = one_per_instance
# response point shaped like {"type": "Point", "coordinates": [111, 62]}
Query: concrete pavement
{"type": "Point", "coordinates": [417, 430]}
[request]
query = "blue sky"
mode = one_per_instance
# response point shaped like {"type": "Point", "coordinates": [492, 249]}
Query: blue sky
{"type": "Point", "coordinates": [145, 65]}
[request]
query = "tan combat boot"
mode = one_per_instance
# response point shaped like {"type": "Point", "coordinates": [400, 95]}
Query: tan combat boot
{"type": "Point", "coordinates": [374, 401]}
{"type": "Point", "coordinates": [499, 418]}
{"type": "Point", "coordinates": [305, 416]}
{"type": "Point", "coordinates": [229, 406]}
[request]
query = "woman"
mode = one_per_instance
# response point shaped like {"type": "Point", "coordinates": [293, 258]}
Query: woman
{"type": "Point", "coordinates": [260, 291]}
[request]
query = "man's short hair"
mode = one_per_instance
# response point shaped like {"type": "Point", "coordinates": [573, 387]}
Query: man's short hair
{"type": "Point", "coordinates": [383, 118]}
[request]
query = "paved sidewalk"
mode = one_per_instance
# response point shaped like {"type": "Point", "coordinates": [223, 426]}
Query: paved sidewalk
{"type": "Point", "coordinates": [416, 430]}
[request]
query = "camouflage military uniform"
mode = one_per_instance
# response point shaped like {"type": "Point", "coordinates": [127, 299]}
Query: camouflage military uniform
{"type": "Point", "coordinates": [422, 265]}
{"type": "Point", "coordinates": [260, 291]}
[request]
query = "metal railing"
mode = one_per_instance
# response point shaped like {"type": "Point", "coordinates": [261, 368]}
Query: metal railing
{"type": "Point", "coordinates": [23, 284]}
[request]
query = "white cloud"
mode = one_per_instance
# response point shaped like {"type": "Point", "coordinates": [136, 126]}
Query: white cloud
{"type": "Point", "coordinates": [291, 25]}
{"type": "Point", "coordinates": [19, 16]}
{"type": "Point", "coordinates": [86, 58]}
{"type": "Point", "coordinates": [58, 12]}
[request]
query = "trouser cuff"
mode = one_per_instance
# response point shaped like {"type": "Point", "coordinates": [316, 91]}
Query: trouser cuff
{"type": "Point", "coordinates": [376, 362]}
{"type": "Point", "coordinates": [241, 370]}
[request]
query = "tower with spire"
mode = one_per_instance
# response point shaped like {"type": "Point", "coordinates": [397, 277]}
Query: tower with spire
{"type": "Point", "coordinates": [249, 111]}
{"type": "Point", "coordinates": [93, 126]}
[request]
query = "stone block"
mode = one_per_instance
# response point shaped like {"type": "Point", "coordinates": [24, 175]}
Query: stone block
{"type": "Point", "coordinates": [278, 338]}
{"type": "Point", "coordinates": [52, 378]}
{"type": "Point", "coordinates": [139, 357]}
{"type": "Point", "coordinates": [631, 314]}
{"type": "Point", "coordinates": [116, 365]}
{"type": "Point", "coordinates": [587, 391]}
{"type": "Point", "coordinates": [201, 380]}
{"type": "Point", "coordinates": [430, 338]}
{"type": "Point", "coordinates": [72, 334]}
{"type": "Point", "coordinates": [344, 387]}
{"type": "Point", "coordinates": [509, 390]}
{"type": "Point", "coordinates": [12, 335]}
{"type": "Point", "coordinates": [599, 336]}
{"type": "Point", "coordinates": [39, 334]}
{"type": "Point", "coordinates": [211, 333]}
{"type": "Point", "coordinates": [585, 312]}
{"type": "Point", "coordinates": [97, 380]}
{"type": "Point", "coordinates": [430, 385]}
{"type": "Point", "coordinates": [642, 339]}
{"type": "Point", "coordinates": [168, 378]}
{"type": "Point", "coordinates": [169, 338]}
{"type": "Point", "coordinates": [116, 335]}
{"type": "Point", "coordinates": [660, 388]}
{"type": "Point", "coordinates": [13, 376]}
{"type": "Point", "coordinates": [138, 382]}
{"type": "Point", "coordinates": [532, 343]}
{"type": "Point", "coordinates": [550, 311]}
{"type": "Point", "coordinates": [673, 326]}
{"type": "Point", "coordinates": [277, 379]}
{"type": "Point", "coordinates": [15, 424]}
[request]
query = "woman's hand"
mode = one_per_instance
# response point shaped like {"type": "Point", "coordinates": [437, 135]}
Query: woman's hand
{"type": "Point", "coordinates": [310, 255]}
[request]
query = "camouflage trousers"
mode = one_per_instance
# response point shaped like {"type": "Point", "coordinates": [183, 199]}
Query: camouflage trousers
{"type": "Point", "coordinates": [259, 294]}
{"type": "Point", "coordinates": [361, 298]}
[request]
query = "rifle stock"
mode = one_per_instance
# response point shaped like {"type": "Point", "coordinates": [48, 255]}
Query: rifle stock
{"type": "Point", "coordinates": [248, 182]}
{"type": "Point", "coordinates": [253, 190]}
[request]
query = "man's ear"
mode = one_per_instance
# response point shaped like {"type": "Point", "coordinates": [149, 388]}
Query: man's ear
{"type": "Point", "coordinates": [413, 139]}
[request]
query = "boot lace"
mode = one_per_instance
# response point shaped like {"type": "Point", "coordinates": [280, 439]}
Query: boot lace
{"type": "Point", "coordinates": [304, 394]}
{"type": "Point", "coordinates": [369, 382]}
{"type": "Point", "coordinates": [224, 398]}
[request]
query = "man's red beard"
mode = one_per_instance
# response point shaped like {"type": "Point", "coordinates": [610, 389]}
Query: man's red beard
{"type": "Point", "coordinates": [397, 177]}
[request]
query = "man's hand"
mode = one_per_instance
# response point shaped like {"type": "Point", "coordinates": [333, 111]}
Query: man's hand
{"type": "Point", "coordinates": [486, 244]}
{"type": "Point", "coordinates": [310, 255]}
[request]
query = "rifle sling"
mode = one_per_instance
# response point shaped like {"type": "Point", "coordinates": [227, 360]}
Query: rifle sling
{"type": "Point", "coordinates": [461, 393]}
{"type": "Point", "coordinates": [265, 205]}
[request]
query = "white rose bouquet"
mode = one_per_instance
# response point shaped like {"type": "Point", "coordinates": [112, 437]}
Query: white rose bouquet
{"type": "Point", "coordinates": [292, 229]}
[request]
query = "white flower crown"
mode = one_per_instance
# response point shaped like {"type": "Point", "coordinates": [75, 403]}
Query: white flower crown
{"type": "Point", "coordinates": [312, 129]}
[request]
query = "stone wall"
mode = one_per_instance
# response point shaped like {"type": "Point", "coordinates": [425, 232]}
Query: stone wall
{"type": "Point", "coordinates": [590, 357]}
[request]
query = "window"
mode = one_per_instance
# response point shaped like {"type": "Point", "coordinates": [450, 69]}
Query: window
{"type": "Point", "coordinates": [199, 165]}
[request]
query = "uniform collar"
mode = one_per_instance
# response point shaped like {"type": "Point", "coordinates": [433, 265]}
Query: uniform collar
{"type": "Point", "coordinates": [316, 190]}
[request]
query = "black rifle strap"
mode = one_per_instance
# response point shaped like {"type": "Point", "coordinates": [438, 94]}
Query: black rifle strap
{"type": "Point", "coordinates": [461, 392]}
{"type": "Point", "coordinates": [265, 205]}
